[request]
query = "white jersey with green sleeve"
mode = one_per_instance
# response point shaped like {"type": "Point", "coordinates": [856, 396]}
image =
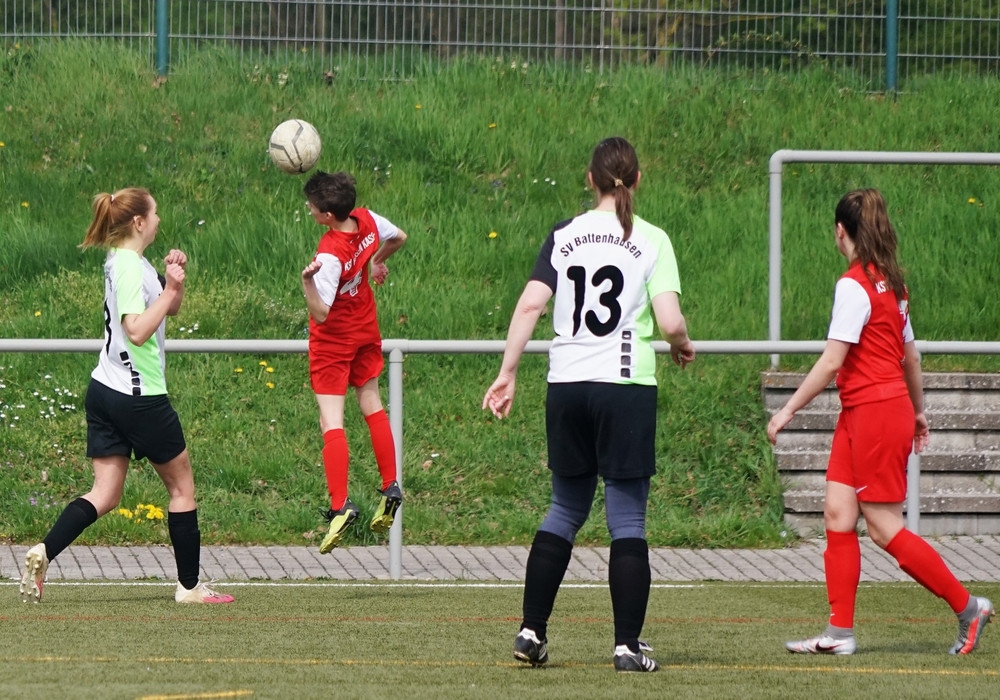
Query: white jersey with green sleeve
{"type": "Point", "coordinates": [131, 284]}
{"type": "Point", "coordinates": [603, 285]}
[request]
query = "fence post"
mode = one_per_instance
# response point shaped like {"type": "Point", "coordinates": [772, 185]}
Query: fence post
{"type": "Point", "coordinates": [913, 493]}
{"type": "Point", "coordinates": [775, 168]}
{"type": "Point", "coordinates": [396, 425]}
{"type": "Point", "coordinates": [891, 44]}
{"type": "Point", "coordinates": [162, 36]}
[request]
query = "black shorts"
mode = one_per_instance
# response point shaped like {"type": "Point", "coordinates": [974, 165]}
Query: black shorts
{"type": "Point", "coordinates": [601, 429]}
{"type": "Point", "coordinates": [121, 424]}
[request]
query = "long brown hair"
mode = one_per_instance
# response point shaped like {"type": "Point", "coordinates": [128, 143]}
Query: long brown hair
{"type": "Point", "coordinates": [114, 216]}
{"type": "Point", "coordinates": [614, 167]}
{"type": "Point", "coordinates": [864, 216]}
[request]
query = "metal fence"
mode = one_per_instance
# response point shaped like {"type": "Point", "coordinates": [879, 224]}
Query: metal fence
{"type": "Point", "coordinates": [397, 348]}
{"type": "Point", "coordinates": [397, 38]}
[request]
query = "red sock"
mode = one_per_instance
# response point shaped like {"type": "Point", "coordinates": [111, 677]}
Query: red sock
{"type": "Point", "coordinates": [842, 563]}
{"type": "Point", "coordinates": [335, 463]}
{"type": "Point", "coordinates": [383, 445]}
{"type": "Point", "coordinates": [926, 567]}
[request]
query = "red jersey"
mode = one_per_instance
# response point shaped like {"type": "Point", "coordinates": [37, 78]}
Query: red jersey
{"type": "Point", "coordinates": [352, 318]}
{"type": "Point", "coordinates": [877, 325]}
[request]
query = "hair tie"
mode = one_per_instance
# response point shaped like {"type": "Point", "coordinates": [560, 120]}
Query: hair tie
{"type": "Point", "coordinates": [618, 182]}
{"type": "Point", "coordinates": [112, 198]}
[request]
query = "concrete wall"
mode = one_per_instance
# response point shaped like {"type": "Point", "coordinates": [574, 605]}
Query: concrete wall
{"type": "Point", "coordinates": [959, 471]}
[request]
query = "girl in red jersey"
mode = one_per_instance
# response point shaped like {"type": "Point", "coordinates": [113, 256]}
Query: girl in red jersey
{"type": "Point", "coordinates": [871, 352]}
{"type": "Point", "coordinates": [345, 346]}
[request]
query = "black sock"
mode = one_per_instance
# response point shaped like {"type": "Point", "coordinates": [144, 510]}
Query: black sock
{"type": "Point", "coordinates": [76, 517]}
{"type": "Point", "coordinates": [547, 562]}
{"type": "Point", "coordinates": [629, 579]}
{"type": "Point", "coordinates": [186, 539]}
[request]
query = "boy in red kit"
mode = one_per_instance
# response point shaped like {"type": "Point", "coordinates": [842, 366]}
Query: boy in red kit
{"type": "Point", "coordinates": [871, 352]}
{"type": "Point", "coordinates": [345, 347]}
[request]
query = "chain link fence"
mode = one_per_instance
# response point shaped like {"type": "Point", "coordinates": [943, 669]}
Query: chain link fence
{"type": "Point", "coordinates": [397, 38]}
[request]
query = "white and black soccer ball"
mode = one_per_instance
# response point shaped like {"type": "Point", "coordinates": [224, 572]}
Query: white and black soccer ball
{"type": "Point", "coordinates": [294, 146]}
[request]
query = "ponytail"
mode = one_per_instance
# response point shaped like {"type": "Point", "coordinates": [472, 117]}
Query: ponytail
{"type": "Point", "coordinates": [865, 217]}
{"type": "Point", "coordinates": [624, 208]}
{"type": "Point", "coordinates": [114, 215]}
{"type": "Point", "coordinates": [614, 167]}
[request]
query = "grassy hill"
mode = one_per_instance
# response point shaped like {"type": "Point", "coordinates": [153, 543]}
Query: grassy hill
{"type": "Point", "coordinates": [452, 157]}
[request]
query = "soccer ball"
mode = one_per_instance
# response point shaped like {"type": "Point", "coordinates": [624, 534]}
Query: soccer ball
{"type": "Point", "coordinates": [294, 146]}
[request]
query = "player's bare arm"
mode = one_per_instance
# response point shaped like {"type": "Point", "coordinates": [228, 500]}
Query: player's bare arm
{"type": "Point", "coordinates": [176, 259]}
{"type": "Point", "coordinates": [499, 397]}
{"type": "Point", "coordinates": [379, 271]}
{"type": "Point", "coordinates": [317, 309]}
{"type": "Point", "coordinates": [140, 327]}
{"type": "Point", "coordinates": [819, 377]}
{"type": "Point", "coordinates": [673, 327]}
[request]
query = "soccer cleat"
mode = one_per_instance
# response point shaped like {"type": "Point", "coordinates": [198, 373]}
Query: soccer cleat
{"type": "Point", "coordinates": [339, 522]}
{"type": "Point", "coordinates": [36, 564]}
{"type": "Point", "coordinates": [969, 632]}
{"type": "Point", "coordinates": [200, 594]}
{"type": "Point", "coordinates": [529, 648]}
{"type": "Point", "coordinates": [823, 644]}
{"type": "Point", "coordinates": [633, 661]}
{"type": "Point", "coordinates": [392, 497]}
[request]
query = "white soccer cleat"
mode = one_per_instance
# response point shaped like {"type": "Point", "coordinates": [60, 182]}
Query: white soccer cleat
{"type": "Point", "coordinates": [36, 564]}
{"type": "Point", "coordinates": [823, 644]}
{"type": "Point", "coordinates": [200, 594]}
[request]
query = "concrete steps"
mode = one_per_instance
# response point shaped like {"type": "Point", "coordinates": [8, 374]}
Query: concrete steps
{"type": "Point", "coordinates": [959, 471]}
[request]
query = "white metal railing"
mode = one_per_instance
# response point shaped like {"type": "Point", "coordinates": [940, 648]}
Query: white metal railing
{"type": "Point", "coordinates": [775, 168]}
{"type": "Point", "coordinates": [397, 348]}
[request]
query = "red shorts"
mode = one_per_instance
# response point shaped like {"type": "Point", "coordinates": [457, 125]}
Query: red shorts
{"type": "Point", "coordinates": [871, 445]}
{"type": "Point", "coordinates": [333, 367]}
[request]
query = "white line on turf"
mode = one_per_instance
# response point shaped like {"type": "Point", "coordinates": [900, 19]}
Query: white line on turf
{"type": "Point", "coordinates": [417, 584]}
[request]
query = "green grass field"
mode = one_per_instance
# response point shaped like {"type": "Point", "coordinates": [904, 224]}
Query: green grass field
{"type": "Point", "coordinates": [311, 640]}
{"type": "Point", "coordinates": [451, 156]}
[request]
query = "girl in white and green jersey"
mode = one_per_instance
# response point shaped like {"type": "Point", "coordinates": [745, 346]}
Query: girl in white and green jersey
{"type": "Point", "coordinates": [615, 282]}
{"type": "Point", "coordinates": [128, 412]}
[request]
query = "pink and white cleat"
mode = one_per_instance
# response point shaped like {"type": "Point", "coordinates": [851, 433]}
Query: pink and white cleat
{"type": "Point", "coordinates": [200, 594]}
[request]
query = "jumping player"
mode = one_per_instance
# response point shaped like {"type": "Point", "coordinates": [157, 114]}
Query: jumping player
{"type": "Point", "coordinates": [345, 346]}
{"type": "Point", "coordinates": [871, 352]}
{"type": "Point", "coordinates": [614, 278]}
{"type": "Point", "coordinates": [127, 406]}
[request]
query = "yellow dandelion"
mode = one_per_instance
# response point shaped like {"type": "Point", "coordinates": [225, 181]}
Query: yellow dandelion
{"type": "Point", "coordinates": [262, 363]}
{"type": "Point", "coordinates": [37, 314]}
{"type": "Point", "coordinates": [972, 200]}
{"type": "Point", "coordinates": [493, 234]}
{"type": "Point", "coordinates": [270, 385]}
{"type": "Point", "coordinates": [269, 369]}
{"type": "Point", "coordinates": [238, 370]}
{"type": "Point", "coordinates": [493, 125]}
{"type": "Point", "coordinates": [124, 512]}
{"type": "Point", "coordinates": [418, 106]}
{"type": "Point", "coordinates": [2, 144]}
{"type": "Point", "coordinates": [24, 204]}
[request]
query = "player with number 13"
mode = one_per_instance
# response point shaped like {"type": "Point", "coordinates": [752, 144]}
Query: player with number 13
{"type": "Point", "coordinates": [614, 278]}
